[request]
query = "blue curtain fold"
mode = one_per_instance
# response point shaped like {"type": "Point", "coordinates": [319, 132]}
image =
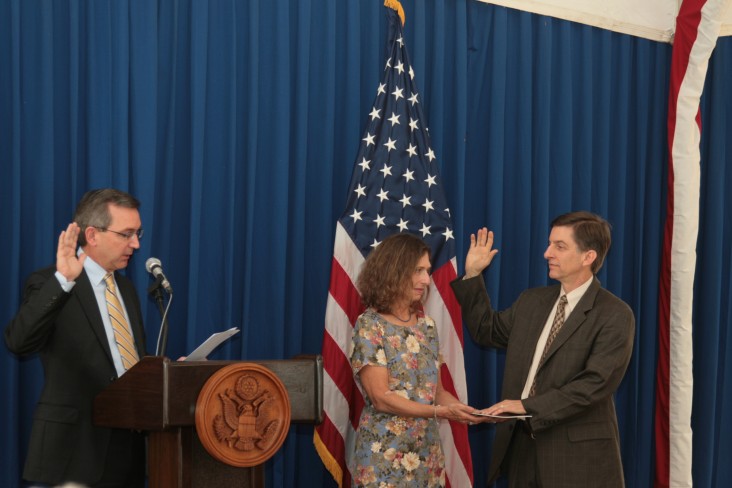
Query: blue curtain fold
{"type": "Point", "coordinates": [236, 124]}
{"type": "Point", "coordinates": [712, 317]}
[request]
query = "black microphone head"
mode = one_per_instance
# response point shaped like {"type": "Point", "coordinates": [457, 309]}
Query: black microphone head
{"type": "Point", "coordinates": [151, 263]}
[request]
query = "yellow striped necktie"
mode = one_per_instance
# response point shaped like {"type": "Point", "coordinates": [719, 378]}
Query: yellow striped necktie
{"type": "Point", "coordinates": [122, 333]}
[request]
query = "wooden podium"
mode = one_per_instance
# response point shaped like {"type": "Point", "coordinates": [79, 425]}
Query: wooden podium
{"type": "Point", "coordinates": [159, 396]}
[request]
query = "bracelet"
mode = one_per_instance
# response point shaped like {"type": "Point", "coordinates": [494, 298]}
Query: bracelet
{"type": "Point", "coordinates": [435, 412]}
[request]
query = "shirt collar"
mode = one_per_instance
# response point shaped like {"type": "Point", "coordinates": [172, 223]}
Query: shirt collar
{"type": "Point", "coordinates": [574, 296]}
{"type": "Point", "coordinates": [93, 270]}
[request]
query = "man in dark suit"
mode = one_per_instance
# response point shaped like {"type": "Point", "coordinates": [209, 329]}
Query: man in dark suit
{"type": "Point", "coordinates": [563, 378]}
{"type": "Point", "coordinates": [65, 318]}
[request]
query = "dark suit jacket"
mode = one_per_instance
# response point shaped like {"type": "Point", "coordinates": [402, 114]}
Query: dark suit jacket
{"type": "Point", "coordinates": [573, 413]}
{"type": "Point", "coordinates": [66, 330]}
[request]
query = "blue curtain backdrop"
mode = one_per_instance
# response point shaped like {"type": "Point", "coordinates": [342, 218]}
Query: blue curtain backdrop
{"type": "Point", "coordinates": [713, 291]}
{"type": "Point", "coordinates": [236, 123]}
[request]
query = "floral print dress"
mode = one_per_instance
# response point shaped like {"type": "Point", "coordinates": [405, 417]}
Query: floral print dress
{"type": "Point", "coordinates": [394, 451]}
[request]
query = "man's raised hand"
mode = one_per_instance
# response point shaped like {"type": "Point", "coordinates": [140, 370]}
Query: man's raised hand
{"type": "Point", "coordinates": [67, 262]}
{"type": "Point", "coordinates": [481, 252]}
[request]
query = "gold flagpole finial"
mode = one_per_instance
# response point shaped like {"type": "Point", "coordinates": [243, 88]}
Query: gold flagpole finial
{"type": "Point", "coordinates": [396, 5]}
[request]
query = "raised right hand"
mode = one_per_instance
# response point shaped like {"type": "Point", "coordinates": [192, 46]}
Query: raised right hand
{"type": "Point", "coordinates": [67, 262]}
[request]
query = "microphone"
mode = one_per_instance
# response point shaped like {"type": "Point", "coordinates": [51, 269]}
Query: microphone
{"type": "Point", "coordinates": [155, 268]}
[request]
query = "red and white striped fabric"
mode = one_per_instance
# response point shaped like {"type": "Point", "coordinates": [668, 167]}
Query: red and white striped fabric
{"type": "Point", "coordinates": [697, 28]}
{"type": "Point", "coordinates": [395, 187]}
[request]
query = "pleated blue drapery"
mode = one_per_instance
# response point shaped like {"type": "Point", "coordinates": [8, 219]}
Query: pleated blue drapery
{"type": "Point", "coordinates": [236, 124]}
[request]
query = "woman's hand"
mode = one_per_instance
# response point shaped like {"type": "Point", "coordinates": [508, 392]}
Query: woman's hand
{"type": "Point", "coordinates": [457, 412]}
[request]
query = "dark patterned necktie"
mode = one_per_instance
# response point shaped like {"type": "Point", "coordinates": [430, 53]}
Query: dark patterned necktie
{"type": "Point", "coordinates": [556, 326]}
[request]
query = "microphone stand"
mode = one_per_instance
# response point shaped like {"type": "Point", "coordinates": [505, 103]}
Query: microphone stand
{"type": "Point", "coordinates": [156, 290]}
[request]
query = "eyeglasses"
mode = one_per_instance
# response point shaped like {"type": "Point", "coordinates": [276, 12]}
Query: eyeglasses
{"type": "Point", "coordinates": [127, 235]}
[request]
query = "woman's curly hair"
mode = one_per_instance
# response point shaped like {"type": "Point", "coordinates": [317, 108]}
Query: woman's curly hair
{"type": "Point", "coordinates": [388, 270]}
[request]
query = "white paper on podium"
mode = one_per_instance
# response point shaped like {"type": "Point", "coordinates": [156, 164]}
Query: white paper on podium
{"type": "Point", "coordinates": [202, 351]}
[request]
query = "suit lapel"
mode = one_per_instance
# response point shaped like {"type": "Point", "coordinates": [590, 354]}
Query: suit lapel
{"type": "Point", "coordinates": [540, 314]}
{"type": "Point", "coordinates": [130, 298]}
{"type": "Point", "coordinates": [85, 294]}
{"type": "Point", "coordinates": [575, 319]}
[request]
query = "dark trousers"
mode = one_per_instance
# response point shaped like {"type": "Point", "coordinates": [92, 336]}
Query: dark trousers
{"type": "Point", "coordinates": [124, 465]}
{"type": "Point", "coordinates": [520, 465]}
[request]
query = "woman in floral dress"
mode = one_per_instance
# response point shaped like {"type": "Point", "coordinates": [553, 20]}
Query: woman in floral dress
{"type": "Point", "coordinates": [396, 361]}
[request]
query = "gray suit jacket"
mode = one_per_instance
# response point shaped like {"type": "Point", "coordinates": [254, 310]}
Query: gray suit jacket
{"type": "Point", "coordinates": [67, 332]}
{"type": "Point", "coordinates": [573, 413]}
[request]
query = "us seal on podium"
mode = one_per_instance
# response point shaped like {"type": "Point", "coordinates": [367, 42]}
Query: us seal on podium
{"type": "Point", "coordinates": [243, 414]}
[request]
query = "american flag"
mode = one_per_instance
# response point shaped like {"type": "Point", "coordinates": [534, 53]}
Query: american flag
{"type": "Point", "coordinates": [395, 187]}
{"type": "Point", "coordinates": [698, 25]}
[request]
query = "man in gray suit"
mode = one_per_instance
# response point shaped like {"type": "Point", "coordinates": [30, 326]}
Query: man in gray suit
{"type": "Point", "coordinates": [567, 349]}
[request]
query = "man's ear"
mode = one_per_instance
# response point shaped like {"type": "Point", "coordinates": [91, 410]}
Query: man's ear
{"type": "Point", "coordinates": [90, 233]}
{"type": "Point", "coordinates": [590, 257]}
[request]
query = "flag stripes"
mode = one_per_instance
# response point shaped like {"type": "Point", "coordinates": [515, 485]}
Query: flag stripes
{"type": "Point", "coordinates": [697, 29]}
{"type": "Point", "coordinates": [395, 187]}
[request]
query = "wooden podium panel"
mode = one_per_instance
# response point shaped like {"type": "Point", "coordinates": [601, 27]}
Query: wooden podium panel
{"type": "Point", "coordinates": [159, 396]}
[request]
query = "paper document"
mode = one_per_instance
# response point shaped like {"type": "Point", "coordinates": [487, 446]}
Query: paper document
{"type": "Point", "coordinates": [210, 344]}
{"type": "Point", "coordinates": [502, 416]}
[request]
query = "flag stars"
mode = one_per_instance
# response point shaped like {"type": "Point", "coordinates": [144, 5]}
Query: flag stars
{"type": "Point", "coordinates": [374, 201]}
{"type": "Point", "coordinates": [356, 215]}
{"type": "Point", "coordinates": [365, 164]}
